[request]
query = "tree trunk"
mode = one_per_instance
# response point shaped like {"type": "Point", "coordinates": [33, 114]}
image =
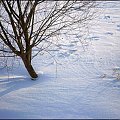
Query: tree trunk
{"type": "Point", "coordinates": [29, 67]}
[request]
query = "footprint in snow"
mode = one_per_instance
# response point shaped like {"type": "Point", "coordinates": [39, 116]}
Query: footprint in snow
{"type": "Point", "coordinates": [118, 27]}
{"type": "Point", "coordinates": [72, 51]}
{"type": "Point", "coordinates": [63, 55]}
{"type": "Point", "coordinates": [109, 33]}
{"type": "Point", "coordinates": [107, 17]}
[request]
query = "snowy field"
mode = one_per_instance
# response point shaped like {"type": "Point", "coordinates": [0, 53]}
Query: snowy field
{"type": "Point", "coordinates": [85, 83]}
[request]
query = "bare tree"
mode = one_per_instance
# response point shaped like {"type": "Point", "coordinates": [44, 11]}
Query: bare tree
{"type": "Point", "coordinates": [25, 25]}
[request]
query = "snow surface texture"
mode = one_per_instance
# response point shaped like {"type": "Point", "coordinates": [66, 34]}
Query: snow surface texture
{"type": "Point", "coordinates": [87, 83]}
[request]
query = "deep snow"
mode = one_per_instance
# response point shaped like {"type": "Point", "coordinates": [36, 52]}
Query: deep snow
{"type": "Point", "coordinates": [84, 83]}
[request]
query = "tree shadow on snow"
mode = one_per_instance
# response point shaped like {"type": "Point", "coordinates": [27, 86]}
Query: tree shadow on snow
{"type": "Point", "coordinates": [10, 114]}
{"type": "Point", "coordinates": [14, 83]}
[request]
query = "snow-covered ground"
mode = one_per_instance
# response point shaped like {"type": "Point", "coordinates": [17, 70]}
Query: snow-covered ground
{"type": "Point", "coordinates": [84, 84]}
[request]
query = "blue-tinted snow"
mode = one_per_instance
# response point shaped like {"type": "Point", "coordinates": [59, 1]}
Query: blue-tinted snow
{"type": "Point", "coordinates": [80, 85]}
